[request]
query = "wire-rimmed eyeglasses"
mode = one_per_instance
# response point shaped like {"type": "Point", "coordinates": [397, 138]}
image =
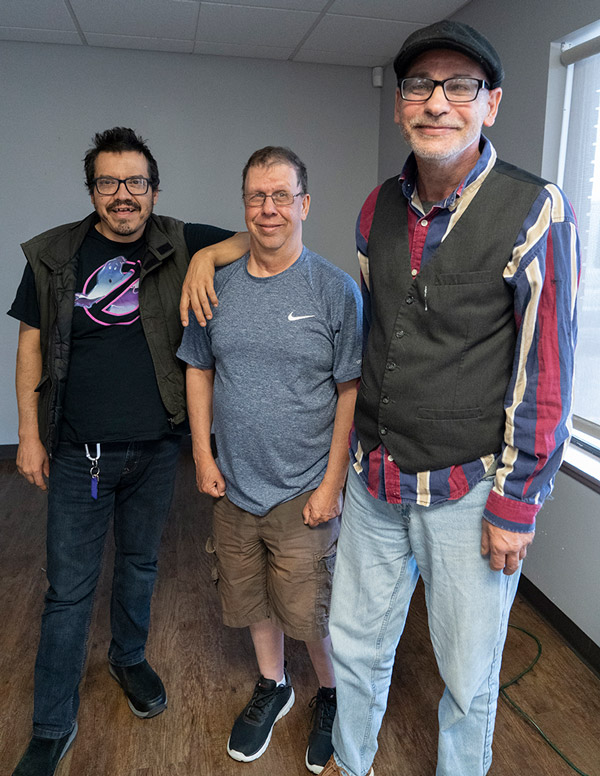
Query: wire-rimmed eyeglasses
{"type": "Point", "coordinates": [258, 198]}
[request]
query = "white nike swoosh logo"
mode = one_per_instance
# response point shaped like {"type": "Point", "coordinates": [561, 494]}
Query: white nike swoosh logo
{"type": "Point", "coordinates": [292, 317]}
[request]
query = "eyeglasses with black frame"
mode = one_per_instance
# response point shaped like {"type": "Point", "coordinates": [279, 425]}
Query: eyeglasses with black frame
{"type": "Point", "coordinates": [258, 198]}
{"type": "Point", "coordinates": [135, 184]}
{"type": "Point", "coordinates": [461, 89]}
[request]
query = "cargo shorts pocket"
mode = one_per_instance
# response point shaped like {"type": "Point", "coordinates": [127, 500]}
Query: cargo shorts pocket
{"type": "Point", "coordinates": [214, 567]}
{"type": "Point", "coordinates": [324, 571]}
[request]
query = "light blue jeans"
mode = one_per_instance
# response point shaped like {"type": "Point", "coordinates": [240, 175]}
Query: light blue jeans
{"type": "Point", "coordinates": [382, 549]}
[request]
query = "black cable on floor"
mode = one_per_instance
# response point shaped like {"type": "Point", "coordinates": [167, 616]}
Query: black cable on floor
{"type": "Point", "coordinates": [524, 714]}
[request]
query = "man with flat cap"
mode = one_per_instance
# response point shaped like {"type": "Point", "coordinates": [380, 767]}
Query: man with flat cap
{"type": "Point", "coordinates": [469, 273]}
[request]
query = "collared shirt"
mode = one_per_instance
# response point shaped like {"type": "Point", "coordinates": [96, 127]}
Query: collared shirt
{"type": "Point", "coordinates": [543, 271]}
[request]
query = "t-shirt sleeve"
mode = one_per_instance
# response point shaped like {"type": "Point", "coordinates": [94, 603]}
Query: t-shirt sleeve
{"type": "Point", "coordinates": [195, 348]}
{"type": "Point", "coordinates": [347, 348]}
{"type": "Point", "coordinates": [199, 236]}
{"type": "Point", "coordinates": [25, 307]}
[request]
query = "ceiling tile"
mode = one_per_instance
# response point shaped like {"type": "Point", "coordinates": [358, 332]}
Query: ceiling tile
{"type": "Point", "coordinates": [288, 5]}
{"type": "Point", "coordinates": [139, 18]}
{"type": "Point", "coordinates": [351, 58]}
{"type": "Point", "coordinates": [30, 35]}
{"type": "Point", "coordinates": [366, 36]}
{"type": "Point", "coordinates": [133, 42]}
{"type": "Point", "coordinates": [49, 15]}
{"type": "Point", "coordinates": [247, 25]}
{"type": "Point", "coordinates": [235, 50]}
{"type": "Point", "coordinates": [420, 11]}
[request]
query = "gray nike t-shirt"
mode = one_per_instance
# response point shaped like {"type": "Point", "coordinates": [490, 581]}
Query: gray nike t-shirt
{"type": "Point", "coordinates": [278, 346]}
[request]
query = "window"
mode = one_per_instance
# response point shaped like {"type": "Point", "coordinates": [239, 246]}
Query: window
{"type": "Point", "coordinates": [575, 73]}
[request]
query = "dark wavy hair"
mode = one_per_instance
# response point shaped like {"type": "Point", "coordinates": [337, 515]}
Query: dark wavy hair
{"type": "Point", "coordinates": [277, 155]}
{"type": "Point", "coordinates": [117, 140]}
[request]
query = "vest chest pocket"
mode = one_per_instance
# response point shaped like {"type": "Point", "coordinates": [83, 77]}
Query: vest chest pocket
{"type": "Point", "coordinates": [463, 278]}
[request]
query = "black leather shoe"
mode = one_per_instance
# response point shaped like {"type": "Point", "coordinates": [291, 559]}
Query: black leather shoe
{"type": "Point", "coordinates": [43, 755]}
{"type": "Point", "coordinates": [145, 692]}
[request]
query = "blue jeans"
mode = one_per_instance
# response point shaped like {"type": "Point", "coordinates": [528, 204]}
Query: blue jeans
{"type": "Point", "coordinates": [382, 549]}
{"type": "Point", "coordinates": [135, 487]}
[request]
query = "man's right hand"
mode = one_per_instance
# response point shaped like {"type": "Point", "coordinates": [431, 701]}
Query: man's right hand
{"type": "Point", "coordinates": [198, 290]}
{"type": "Point", "coordinates": [33, 463]}
{"type": "Point", "coordinates": [209, 478]}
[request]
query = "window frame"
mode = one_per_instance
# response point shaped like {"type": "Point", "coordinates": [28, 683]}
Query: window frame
{"type": "Point", "coordinates": [564, 53]}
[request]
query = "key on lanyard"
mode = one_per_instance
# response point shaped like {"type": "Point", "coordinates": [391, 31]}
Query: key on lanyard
{"type": "Point", "coordinates": [95, 469]}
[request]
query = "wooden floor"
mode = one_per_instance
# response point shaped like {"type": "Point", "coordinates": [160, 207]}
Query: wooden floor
{"type": "Point", "coordinates": [210, 671]}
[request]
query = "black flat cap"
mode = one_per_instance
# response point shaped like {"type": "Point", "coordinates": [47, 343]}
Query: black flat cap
{"type": "Point", "coordinates": [456, 36]}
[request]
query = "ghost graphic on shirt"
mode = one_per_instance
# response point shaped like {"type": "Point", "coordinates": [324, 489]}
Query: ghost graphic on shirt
{"type": "Point", "coordinates": [110, 295]}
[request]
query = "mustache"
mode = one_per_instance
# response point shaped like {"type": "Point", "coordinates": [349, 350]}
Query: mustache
{"type": "Point", "coordinates": [419, 122]}
{"type": "Point", "coordinates": [123, 203]}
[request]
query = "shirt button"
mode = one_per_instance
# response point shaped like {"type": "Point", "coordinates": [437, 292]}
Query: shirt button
{"type": "Point", "coordinates": [399, 334]}
{"type": "Point", "coordinates": [414, 272]}
{"type": "Point", "coordinates": [385, 399]}
{"type": "Point", "coordinates": [409, 299]}
{"type": "Point", "coordinates": [383, 431]}
{"type": "Point", "coordinates": [424, 222]}
{"type": "Point", "coordinates": [390, 458]}
{"type": "Point", "coordinates": [390, 366]}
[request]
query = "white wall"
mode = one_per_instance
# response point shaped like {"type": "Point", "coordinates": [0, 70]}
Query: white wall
{"type": "Point", "coordinates": [563, 561]}
{"type": "Point", "coordinates": [203, 117]}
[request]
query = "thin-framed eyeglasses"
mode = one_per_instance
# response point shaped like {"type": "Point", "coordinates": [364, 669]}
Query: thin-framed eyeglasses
{"type": "Point", "coordinates": [279, 198]}
{"type": "Point", "coordinates": [461, 89]}
{"type": "Point", "coordinates": [135, 184]}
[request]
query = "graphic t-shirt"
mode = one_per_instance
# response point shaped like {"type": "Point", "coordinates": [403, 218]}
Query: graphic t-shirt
{"type": "Point", "coordinates": [111, 392]}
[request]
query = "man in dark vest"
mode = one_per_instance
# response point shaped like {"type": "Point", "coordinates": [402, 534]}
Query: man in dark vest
{"type": "Point", "coordinates": [101, 413]}
{"type": "Point", "coordinates": [469, 272]}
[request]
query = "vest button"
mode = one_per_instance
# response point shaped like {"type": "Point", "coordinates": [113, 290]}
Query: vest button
{"type": "Point", "coordinates": [409, 299]}
{"type": "Point", "coordinates": [390, 366]}
{"type": "Point", "coordinates": [383, 431]}
{"type": "Point", "coordinates": [399, 334]}
{"type": "Point", "coordinates": [385, 399]}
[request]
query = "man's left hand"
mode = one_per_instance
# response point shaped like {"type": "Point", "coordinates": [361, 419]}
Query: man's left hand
{"type": "Point", "coordinates": [323, 505]}
{"type": "Point", "coordinates": [505, 548]}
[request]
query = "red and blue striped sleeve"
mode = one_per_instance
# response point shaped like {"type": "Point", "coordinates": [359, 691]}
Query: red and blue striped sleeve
{"type": "Point", "coordinates": [363, 229]}
{"type": "Point", "coordinates": [544, 274]}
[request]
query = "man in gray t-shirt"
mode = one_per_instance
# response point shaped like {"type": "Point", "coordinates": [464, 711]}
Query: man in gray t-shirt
{"type": "Point", "coordinates": [275, 372]}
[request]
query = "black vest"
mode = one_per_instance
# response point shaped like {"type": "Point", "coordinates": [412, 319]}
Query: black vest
{"type": "Point", "coordinates": [441, 345]}
{"type": "Point", "coordinates": [53, 258]}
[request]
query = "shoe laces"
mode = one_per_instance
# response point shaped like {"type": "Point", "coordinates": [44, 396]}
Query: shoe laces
{"type": "Point", "coordinates": [324, 704]}
{"type": "Point", "coordinates": [261, 700]}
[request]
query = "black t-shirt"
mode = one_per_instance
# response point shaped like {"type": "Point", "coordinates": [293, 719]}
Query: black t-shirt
{"type": "Point", "coordinates": [111, 392]}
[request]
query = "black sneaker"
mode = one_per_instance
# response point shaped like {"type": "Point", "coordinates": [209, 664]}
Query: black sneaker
{"type": "Point", "coordinates": [43, 755]}
{"type": "Point", "coordinates": [252, 730]}
{"type": "Point", "coordinates": [320, 748]}
{"type": "Point", "coordinates": [145, 692]}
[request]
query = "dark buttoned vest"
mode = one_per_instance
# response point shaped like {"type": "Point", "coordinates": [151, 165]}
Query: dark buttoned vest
{"type": "Point", "coordinates": [441, 345]}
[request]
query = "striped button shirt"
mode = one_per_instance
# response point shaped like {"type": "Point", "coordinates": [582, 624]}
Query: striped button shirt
{"type": "Point", "coordinates": [543, 271]}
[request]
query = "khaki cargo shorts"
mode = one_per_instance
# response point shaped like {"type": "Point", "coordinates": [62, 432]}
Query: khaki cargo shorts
{"type": "Point", "coordinates": [274, 567]}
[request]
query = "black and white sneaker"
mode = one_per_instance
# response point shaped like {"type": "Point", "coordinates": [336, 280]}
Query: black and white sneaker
{"type": "Point", "coordinates": [252, 730]}
{"type": "Point", "coordinates": [320, 748]}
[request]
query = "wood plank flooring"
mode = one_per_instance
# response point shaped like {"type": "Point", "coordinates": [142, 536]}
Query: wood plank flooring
{"type": "Point", "coordinates": [209, 672]}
